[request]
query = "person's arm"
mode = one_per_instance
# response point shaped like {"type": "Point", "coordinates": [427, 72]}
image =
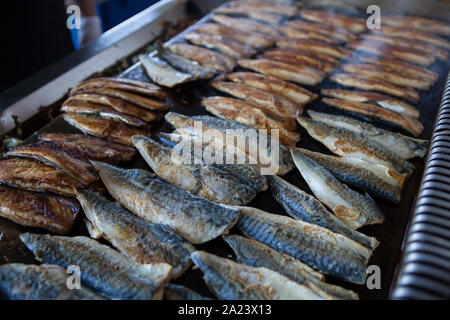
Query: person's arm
{"type": "Point", "coordinates": [91, 26]}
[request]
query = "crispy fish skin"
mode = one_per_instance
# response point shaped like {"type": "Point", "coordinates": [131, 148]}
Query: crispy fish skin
{"type": "Point", "coordinates": [356, 81]}
{"type": "Point", "coordinates": [186, 65]}
{"type": "Point", "coordinates": [359, 176]}
{"type": "Point", "coordinates": [259, 255]}
{"type": "Point", "coordinates": [202, 180]}
{"type": "Point", "coordinates": [207, 58]}
{"type": "Point", "coordinates": [296, 59]}
{"type": "Point", "coordinates": [314, 45]}
{"type": "Point", "coordinates": [305, 34]}
{"type": "Point", "coordinates": [300, 205]}
{"type": "Point", "coordinates": [88, 147]}
{"type": "Point", "coordinates": [150, 198]}
{"type": "Point", "coordinates": [162, 73]}
{"type": "Point", "coordinates": [104, 270]}
{"type": "Point", "coordinates": [348, 144]}
{"type": "Point", "coordinates": [257, 15]}
{"type": "Point", "coordinates": [375, 113]}
{"type": "Point", "coordinates": [289, 90]}
{"type": "Point", "coordinates": [137, 239]}
{"type": "Point", "coordinates": [338, 33]}
{"type": "Point", "coordinates": [418, 23]}
{"type": "Point", "coordinates": [33, 209]}
{"type": "Point", "coordinates": [282, 9]}
{"type": "Point", "coordinates": [351, 207]}
{"type": "Point", "coordinates": [320, 248]}
{"type": "Point", "coordinates": [230, 280]}
{"type": "Point", "coordinates": [247, 24]}
{"type": "Point", "coordinates": [179, 292]}
{"type": "Point", "coordinates": [299, 74]}
{"type": "Point", "coordinates": [356, 25]}
{"type": "Point", "coordinates": [34, 176]}
{"type": "Point", "coordinates": [382, 100]}
{"type": "Point", "coordinates": [104, 128]}
{"type": "Point", "coordinates": [45, 152]}
{"type": "Point", "coordinates": [407, 33]}
{"type": "Point", "coordinates": [405, 147]}
{"type": "Point", "coordinates": [45, 282]}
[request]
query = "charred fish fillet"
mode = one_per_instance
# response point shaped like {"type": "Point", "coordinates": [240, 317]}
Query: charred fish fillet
{"type": "Point", "coordinates": [162, 73]}
{"type": "Point", "coordinates": [286, 89]}
{"type": "Point", "coordinates": [379, 99]}
{"type": "Point", "coordinates": [348, 144]}
{"type": "Point", "coordinates": [407, 33]}
{"type": "Point", "coordinates": [299, 74]}
{"type": "Point", "coordinates": [150, 198]}
{"type": "Point", "coordinates": [230, 280]}
{"type": "Point", "coordinates": [104, 270]}
{"type": "Point", "coordinates": [376, 113]}
{"type": "Point", "coordinates": [314, 45]}
{"type": "Point", "coordinates": [351, 207]}
{"type": "Point", "coordinates": [320, 248]}
{"type": "Point", "coordinates": [137, 239]}
{"type": "Point", "coordinates": [247, 24]}
{"type": "Point", "coordinates": [179, 292]}
{"type": "Point", "coordinates": [40, 210]}
{"type": "Point", "coordinates": [356, 81]}
{"type": "Point", "coordinates": [296, 59]}
{"type": "Point", "coordinates": [405, 147]}
{"type": "Point", "coordinates": [257, 15]}
{"type": "Point", "coordinates": [338, 33]}
{"type": "Point", "coordinates": [45, 282]}
{"type": "Point", "coordinates": [353, 24]}
{"type": "Point", "coordinates": [418, 23]}
{"type": "Point", "coordinates": [277, 8]}
{"type": "Point", "coordinates": [104, 128]}
{"type": "Point", "coordinates": [305, 34]}
{"type": "Point", "coordinates": [259, 255]}
{"type": "Point", "coordinates": [207, 58]}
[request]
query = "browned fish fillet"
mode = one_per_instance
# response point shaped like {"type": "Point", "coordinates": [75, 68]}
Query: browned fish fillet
{"type": "Point", "coordinates": [352, 80]}
{"type": "Point", "coordinates": [129, 97]}
{"type": "Point", "coordinates": [387, 74]}
{"type": "Point", "coordinates": [419, 23]}
{"type": "Point", "coordinates": [253, 39]}
{"type": "Point", "coordinates": [299, 74]}
{"type": "Point", "coordinates": [310, 54]}
{"type": "Point", "coordinates": [305, 34]}
{"type": "Point", "coordinates": [411, 125]}
{"type": "Point", "coordinates": [388, 50]}
{"type": "Point", "coordinates": [250, 115]}
{"type": "Point", "coordinates": [118, 105]}
{"type": "Point", "coordinates": [382, 100]}
{"type": "Point", "coordinates": [258, 15]}
{"type": "Point", "coordinates": [135, 86]}
{"type": "Point", "coordinates": [207, 58]}
{"type": "Point", "coordinates": [246, 24]}
{"type": "Point", "coordinates": [34, 176]}
{"type": "Point", "coordinates": [88, 147]}
{"type": "Point", "coordinates": [51, 212]}
{"type": "Point", "coordinates": [226, 45]}
{"type": "Point", "coordinates": [353, 24]}
{"type": "Point", "coordinates": [277, 105]}
{"type": "Point", "coordinates": [104, 128]}
{"type": "Point", "coordinates": [101, 110]}
{"type": "Point", "coordinates": [286, 89]}
{"type": "Point", "coordinates": [285, 10]}
{"type": "Point", "coordinates": [337, 33]}
{"type": "Point", "coordinates": [314, 45]}
{"type": "Point", "coordinates": [408, 33]}
{"type": "Point", "coordinates": [294, 59]}
{"type": "Point", "coordinates": [404, 66]}
{"type": "Point", "coordinates": [439, 53]}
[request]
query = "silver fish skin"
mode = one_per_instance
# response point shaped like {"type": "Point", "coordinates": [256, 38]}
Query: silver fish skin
{"type": "Point", "coordinates": [202, 180]}
{"type": "Point", "coordinates": [136, 238]}
{"type": "Point", "coordinates": [103, 269]}
{"type": "Point", "coordinates": [149, 197]}
{"type": "Point", "coordinates": [186, 65]}
{"type": "Point", "coordinates": [405, 147]}
{"type": "Point", "coordinates": [300, 205]}
{"type": "Point", "coordinates": [351, 207]}
{"type": "Point", "coordinates": [359, 175]}
{"type": "Point", "coordinates": [230, 280]}
{"type": "Point", "coordinates": [179, 292]}
{"type": "Point", "coordinates": [162, 73]}
{"type": "Point", "coordinates": [44, 282]}
{"type": "Point", "coordinates": [325, 251]}
{"type": "Point", "coordinates": [257, 254]}
{"type": "Point", "coordinates": [349, 144]}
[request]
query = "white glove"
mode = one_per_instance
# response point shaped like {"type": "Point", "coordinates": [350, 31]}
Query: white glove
{"type": "Point", "coordinates": [91, 29]}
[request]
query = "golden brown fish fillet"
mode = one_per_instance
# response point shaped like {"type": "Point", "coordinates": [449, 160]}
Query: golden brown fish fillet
{"type": "Point", "coordinates": [353, 24]}
{"type": "Point", "coordinates": [305, 34]}
{"type": "Point", "coordinates": [279, 106]}
{"type": "Point", "coordinates": [337, 33]}
{"type": "Point", "coordinates": [250, 115]}
{"type": "Point", "coordinates": [205, 57]}
{"type": "Point", "coordinates": [33, 209]}
{"type": "Point", "coordinates": [246, 24]}
{"type": "Point", "coordinates": [325, 58]}
{"type": "Point", "coordinates": [407, 33]}
{"type": "Point", "coordinates": [296, 59]}
{"type": "Point", "coordinates": [418, 23]}
{"type": "Point", "coordinates": [286, 89]}
{"type": "Point", "coordinates": [314, 45]}
{"type": "Point", "coordinates": [257, 15]}
{"type": "Point", "coordinates": [299, 74]}
{"type": "Point", "coordinates": [285, 10]}
{"type": "Point", "coordinates": [355, 81]}
{"type": "Point", "coordinates": [34, 176]}
{"type": "Point", "coordinates": [87, 147]}
{"type": "Point", "coordinates": [104, 128]}
{"type": "Point", "coordinates": [411, 125]}
{"type": "Point", "coordinates": [226, 45]}
{"type": "Point", "coordinates": [385, 73]}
